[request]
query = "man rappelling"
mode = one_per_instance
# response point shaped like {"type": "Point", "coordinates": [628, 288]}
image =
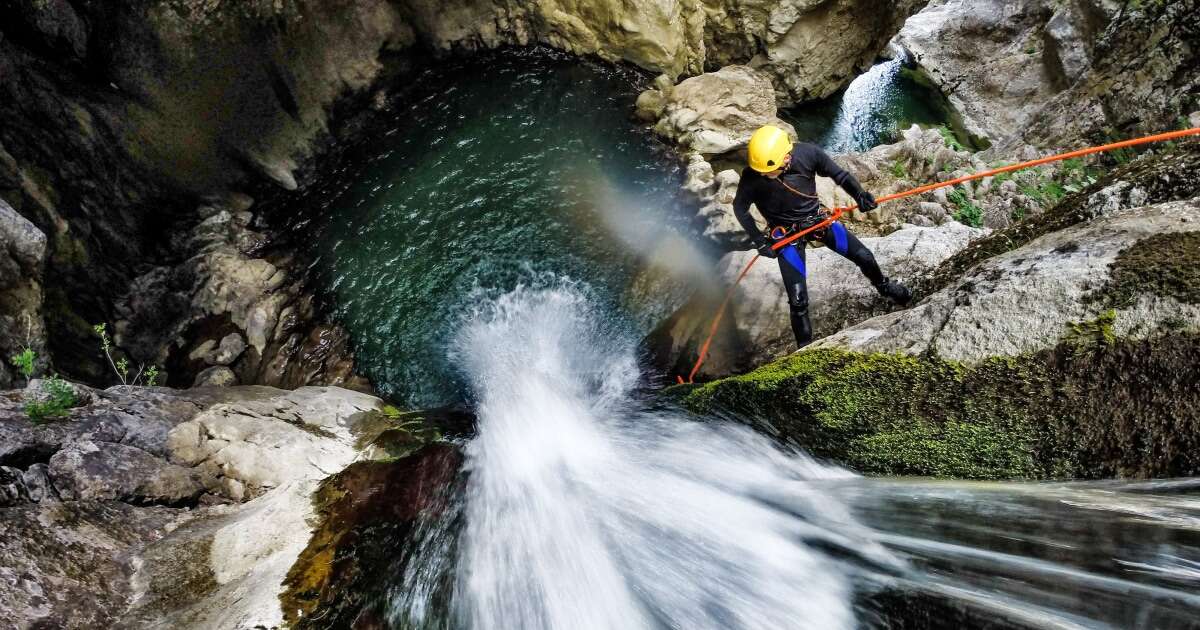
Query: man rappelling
{"type": "Point", "coordinates": [781, 183]}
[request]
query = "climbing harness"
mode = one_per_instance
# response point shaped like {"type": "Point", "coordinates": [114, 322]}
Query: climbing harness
{"type": "Point", "coordinates": [835, 213]}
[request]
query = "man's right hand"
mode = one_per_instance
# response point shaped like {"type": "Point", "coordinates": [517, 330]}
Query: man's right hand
{"type": "Point", "coordinates": [764, 250]}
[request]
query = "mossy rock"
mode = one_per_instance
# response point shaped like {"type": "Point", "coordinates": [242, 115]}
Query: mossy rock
{"type": "Point", "coordinates": [367, 514]}
{"type": "Point", "coordinates": [1094, 407]}
{"type": "Point", "coordinates": [1165, 265]}
{"type": "Point", "coordinates": [1167, 176]}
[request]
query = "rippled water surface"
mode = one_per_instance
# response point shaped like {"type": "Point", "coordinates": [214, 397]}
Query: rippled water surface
{"type": "Point", "coordinates": [499, 165]}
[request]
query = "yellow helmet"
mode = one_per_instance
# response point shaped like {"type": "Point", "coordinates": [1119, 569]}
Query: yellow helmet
{"type": "Point", "coordinates": [768, 146]}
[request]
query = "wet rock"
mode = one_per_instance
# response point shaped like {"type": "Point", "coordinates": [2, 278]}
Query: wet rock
{"type": "Point", "coordinates": [757, 327]}
{"type": "Point", "coordinates": [1036, 296]}
{"type": "Point", "coordinates": [215, 376]}
{"type": "Point", "coordinates": [366, 530]}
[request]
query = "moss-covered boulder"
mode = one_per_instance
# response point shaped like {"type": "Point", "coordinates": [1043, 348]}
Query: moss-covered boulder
{"type": "Point", "coordinates": [1021, 302]}
{"type": "Point", "coordinates": [367, 515]}
{"type": "Point", "coordinates": [1094, 406]}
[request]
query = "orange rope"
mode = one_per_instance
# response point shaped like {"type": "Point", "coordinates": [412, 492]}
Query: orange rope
{"type": "Point", "coordinates": [837, 212]}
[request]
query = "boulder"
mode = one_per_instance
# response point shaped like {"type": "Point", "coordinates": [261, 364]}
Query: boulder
{"type": "Point", "coordinates": [1046, 292]}
{"type": "Point", "coordinates": [87, 470]}
{"type": "Point", "coordinates": [757, 326]}
{"type": "Point", "coordinates": [1057, 74]}
{"type": "Point", "coordinates": [22, 259]}
{"type": "Point", "coordinates": [716, 112]}
{"type": "Point", "coordinates": [191, 504]}
{"type": "Point", "coordinates": [215, 376]}
{"type": "Point", "coordinates": [998, 61]}
{"type": "Point", "coordinates": [232, 346]}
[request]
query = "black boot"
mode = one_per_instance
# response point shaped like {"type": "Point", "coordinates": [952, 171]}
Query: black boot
{"type": "Point", "coordinates": [894, 291]}
{"type": "Point", "coordinates": [801, 327]}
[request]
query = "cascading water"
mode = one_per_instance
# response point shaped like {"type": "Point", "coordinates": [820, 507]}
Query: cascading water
{"type": "Point", "coordinates": [584, 510]}
{"type": "Point", "coordinates": [872, 110]}
{"type": "Point", "coordinates": [588, 504]}
{"type": "Point", "coordinates": [587, 507]}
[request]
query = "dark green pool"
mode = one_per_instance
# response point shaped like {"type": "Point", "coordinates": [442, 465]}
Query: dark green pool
{"type": "Point", "coordinates": [872, 110]}
{"type": "Point", "coordinates": [501, 169]}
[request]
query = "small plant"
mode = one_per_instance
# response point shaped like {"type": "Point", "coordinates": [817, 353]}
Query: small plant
{"type": "Point", "coordinates": [24, 362]}
{"type": "Point", "coordinates": [950, 139]}
{"type": "Point", "coordinates": [898, 169]}
{"type": "Point", "coordinates": [57, 397]}
{"type": "Point", "coordinates": [968, 213]}
{"type": "Point", "coordinates": [1017, 214]}
{"type": "Point", "coordinates": [143, 376]}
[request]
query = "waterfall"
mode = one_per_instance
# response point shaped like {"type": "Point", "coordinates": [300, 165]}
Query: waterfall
{"type": "Point", "coordinates": [586, 511]}
{"type": "Point", "coordinates": [587, 507]}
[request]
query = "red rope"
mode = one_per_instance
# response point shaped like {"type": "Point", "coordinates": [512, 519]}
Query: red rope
{"type": "Point", "coordinates": [837, 212]}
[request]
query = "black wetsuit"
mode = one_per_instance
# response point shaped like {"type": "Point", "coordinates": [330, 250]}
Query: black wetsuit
{"type": "Point", "coordinates": [790, 202]}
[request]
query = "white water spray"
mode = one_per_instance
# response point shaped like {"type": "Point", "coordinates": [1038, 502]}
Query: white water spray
{"type": "Point", "coordinates": [584, 512]}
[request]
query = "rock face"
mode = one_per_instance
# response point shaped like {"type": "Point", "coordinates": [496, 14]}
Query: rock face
{"type": "Point", "coordinates": [160, 103]}
{"type": "Point", "coordinates": [757, 327]}
{"type": "Point", "coordinates": [152, 507]}
{"type": "Point", "coordinates": [1037, 296]}
{"type": "Point", "coordinates": [151, 106]}
{"type": "Point", "coordinates": [22, 258]}
{"type": "Point", "coordinates": [810, 48]}
{"type": "Point", "coordinates": [229, 316]}
{"type": "Point", "coordinates": [1056, 74]}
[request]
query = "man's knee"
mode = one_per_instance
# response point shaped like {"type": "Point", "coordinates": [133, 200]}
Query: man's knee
{"type": "Point", "coordinates": [798, 301]}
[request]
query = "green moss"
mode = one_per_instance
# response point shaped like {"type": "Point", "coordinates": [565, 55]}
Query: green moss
{"type": "Point", "coordinates": [950, 138]}
{"type": "Point", "coordinates": [1097, 332]}
{"type": "Point", "coordinates": [967, 212]}
{"type": "Point", "coordinates": [366, 514]}
{"type": "Point", "coordinates": [1165, 265]}
{"type": "Point", "coordinates": [1055, 414]}
{"type": "Point", "coordinates": [882, 412]}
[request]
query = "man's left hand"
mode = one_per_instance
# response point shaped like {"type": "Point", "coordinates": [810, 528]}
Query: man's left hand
{"type": "Point", "coordinates": [866, 202]}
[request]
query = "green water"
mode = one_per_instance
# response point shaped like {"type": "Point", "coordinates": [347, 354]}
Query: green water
{"type": "Point", "coordinates": [872, 110]}
{"type": "Point", "coordinates": [502, 168]}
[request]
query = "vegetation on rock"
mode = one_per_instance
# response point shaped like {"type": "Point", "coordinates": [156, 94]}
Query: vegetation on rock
{"type": "Point", "coordinates": [1166, 265]}
{"type": "Point", "coordinates": [1166, 176]}
{"type": "Point", "coordinates": [1069, 412]}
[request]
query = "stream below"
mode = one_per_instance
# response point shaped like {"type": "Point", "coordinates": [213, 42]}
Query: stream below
{"type": "Point", "coordinates": [484, 249]}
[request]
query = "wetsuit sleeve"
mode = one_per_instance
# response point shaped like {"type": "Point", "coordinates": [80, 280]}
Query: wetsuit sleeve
{"type": "Point", "coordinates": [824, 165]}
{"type": "Point", "coordinates": [741, 210]}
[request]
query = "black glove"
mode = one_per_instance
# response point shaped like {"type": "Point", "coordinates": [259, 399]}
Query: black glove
{"type": "Point", "coordinates": [866, 202]}
{"type": "Point", "coordinates": [764, 249]}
